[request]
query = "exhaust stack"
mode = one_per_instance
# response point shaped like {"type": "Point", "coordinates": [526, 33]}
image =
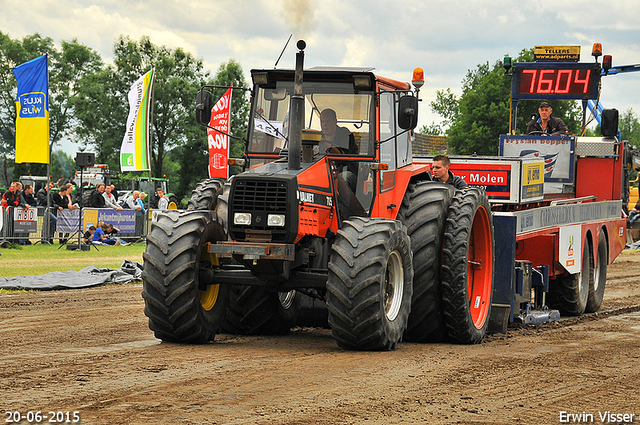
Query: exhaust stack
{"type": "Point", "coordinates": [296, 116]}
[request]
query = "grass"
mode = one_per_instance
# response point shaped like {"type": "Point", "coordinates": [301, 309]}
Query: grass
{"type": "Point", "coordinates": [40, 259]}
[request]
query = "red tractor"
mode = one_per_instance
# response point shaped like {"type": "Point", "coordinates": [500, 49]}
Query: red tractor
{"type": "Point", "coordinates": [330, 205]}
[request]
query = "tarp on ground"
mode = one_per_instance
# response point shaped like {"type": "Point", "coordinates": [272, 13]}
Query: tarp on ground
{"type": "Point", "coordinates": [85, 278]}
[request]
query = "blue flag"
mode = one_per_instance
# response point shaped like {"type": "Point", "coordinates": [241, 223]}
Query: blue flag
{"type": "Point", "coordinates": [32, 118]}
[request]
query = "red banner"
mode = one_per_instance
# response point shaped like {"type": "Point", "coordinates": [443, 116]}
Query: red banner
{"type": "Point", "coordinates": [219, 142]}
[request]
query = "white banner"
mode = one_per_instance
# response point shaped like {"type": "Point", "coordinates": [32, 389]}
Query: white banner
{"type": "Point", "coordinates": [134, 152]}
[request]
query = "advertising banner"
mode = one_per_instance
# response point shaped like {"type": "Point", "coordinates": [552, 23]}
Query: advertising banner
{"type": "Point", "coordinates": [217, 141]}
{"type": "Point", "coordinates": [68, 219]}
{"type": "Point", "coordinates": [32, 117]}
{"type": "Point", "coordinates": [134, 151]}
{"type": "Point", "coordinates": [25, 220]}
{"type": "Point", "coordinates": [556, 151]}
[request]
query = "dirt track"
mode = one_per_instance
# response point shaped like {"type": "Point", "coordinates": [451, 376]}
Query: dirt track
{"type": "Point", "coordinates": [91, 351]}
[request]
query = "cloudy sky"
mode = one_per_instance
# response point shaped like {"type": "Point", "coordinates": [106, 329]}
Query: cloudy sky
{"type": "Point", "coordinates": [444, 37]}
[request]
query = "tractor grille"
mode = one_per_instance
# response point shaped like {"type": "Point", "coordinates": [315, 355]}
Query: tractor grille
{"type": "Point", "coordinates": [262, 197]}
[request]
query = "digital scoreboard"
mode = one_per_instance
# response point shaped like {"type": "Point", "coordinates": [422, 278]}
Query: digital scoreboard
{"type": "Point", "coordinates": [555, 80]}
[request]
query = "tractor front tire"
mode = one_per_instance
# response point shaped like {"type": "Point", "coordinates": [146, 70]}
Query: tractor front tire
{"type": "Point", "coordinates": [369, 286]}
{"type": "Point", "coordinates": [468, 266]}
{"type": "Point", "coordinates": [424, 212]}
{"type": "Point", "coordinates": [181, 307]}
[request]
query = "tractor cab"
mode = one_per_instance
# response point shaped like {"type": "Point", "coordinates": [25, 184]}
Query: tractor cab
{"type": "Point", "coordinates": [352, 141]}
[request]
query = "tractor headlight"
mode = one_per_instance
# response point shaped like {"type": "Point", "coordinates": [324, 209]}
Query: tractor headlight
{"type": "Point", "coordinates": [242, 219]}
{"type": "Point", "coordinates": [276, 220]}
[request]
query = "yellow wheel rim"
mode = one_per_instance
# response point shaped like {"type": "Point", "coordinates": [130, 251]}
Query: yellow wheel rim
{"type": "Point", "coordinates": [209, 297]}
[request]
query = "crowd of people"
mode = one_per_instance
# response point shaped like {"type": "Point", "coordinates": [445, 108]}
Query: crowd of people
{"type": "Point", "coordinates": [64, 194]}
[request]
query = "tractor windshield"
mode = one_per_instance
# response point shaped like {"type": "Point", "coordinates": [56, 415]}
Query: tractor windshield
{"type": "Point", "coordinates": [352, 116]}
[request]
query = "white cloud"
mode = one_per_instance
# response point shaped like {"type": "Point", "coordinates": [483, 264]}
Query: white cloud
{"type": "Point", "coordinates": [444, 37]}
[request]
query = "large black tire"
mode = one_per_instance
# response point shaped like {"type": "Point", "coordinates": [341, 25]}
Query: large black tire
{"type": "Point", "coordinates": [255, 311]}
{"type": "Point", "coordinates": [369, 286]}
{"type": "Point", "coordinates": [205, 195]}
{"type": "Point", "coordinates": [570, 293]}
{"type": "Point", "coordinates": [597, 284]}
{"type": "Point", "coordinates": [424, 211]}
{"type": "Point", "coordinates": [180, 307]}
{"type": "Point", "coordinates": [468, 266]}
{"type": "Point", "coordinates": [312, 312]}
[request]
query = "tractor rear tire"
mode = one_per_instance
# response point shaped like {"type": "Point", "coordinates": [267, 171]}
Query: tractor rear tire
{"type": "Point", "coordinates": [596, 289]}
{"type": "Point", "coordinates": [369, 286]}
{"type": "Point", "coordinates": [205, 195]}
{"type": "Point", "coordinates": [468, 266]}
{"type": "Point", "coordinates": [181, 307]}
{"type": "Point", "coordinates": [570, 293]}
{"type": "Point", "coordinates": [255, 311]}
{"type": "Point", "coordinates": [424, 212]}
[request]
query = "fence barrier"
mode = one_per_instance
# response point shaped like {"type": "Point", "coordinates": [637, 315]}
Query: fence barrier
{"type": "Point", "coordinates": [34, 225]}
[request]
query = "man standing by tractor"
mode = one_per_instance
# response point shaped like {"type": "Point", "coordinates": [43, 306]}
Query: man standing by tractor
{"type": "Point", "coordinates": [546, 124]}
{"type": "Point", "coordinates": [440, 172]}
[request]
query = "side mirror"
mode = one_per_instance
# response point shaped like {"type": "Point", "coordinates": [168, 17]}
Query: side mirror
{"type": "Point", "coordinates": [408, 112]}
{"type": "Point", "coordinates": [609, 127]}
{"type": "Point", "coordinates": [204, 103]}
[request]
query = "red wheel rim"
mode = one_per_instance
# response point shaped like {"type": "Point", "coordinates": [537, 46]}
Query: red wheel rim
{"type": "Point", "coordinates": [480, 267]}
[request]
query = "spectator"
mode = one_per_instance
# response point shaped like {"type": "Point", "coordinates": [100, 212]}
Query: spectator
{"type": "Point", "coordinates": [12, 195]}
{"type": "Point", "coordinates": [29, 199]}
{"type": "Point", "coordinates": [88, 235]}
{"type": "Point", "coordinates": [114, 192]}
{"type": "Point", "coordinates": [96, 200]}
{"type": "Point", "coordinates": [41, 197]}
{"type": "Point", "coordinates": [23, 195]}
{"type": "Point", "coordinates": [132, 201]}
{"type": "Point", "coordinates": [111, 231]}
{"type": "Point", "coordinates": [62, 201]}
{"type": "Point", "coordinates": [163, 200]}
{"type": "Point", "coordinates": [110, 199]}
{"type": "Point", "coordinates": [141, 201]}
{"type": "Point", "coordinates": [100, 236]}
{"type": "Point", "coordinates": [71, 181]}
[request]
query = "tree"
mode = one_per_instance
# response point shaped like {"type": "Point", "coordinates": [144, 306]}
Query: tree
{"type": "Point", "coordinates": [476, 119]}
{"type": "Point", "coordinates": [102, 105]}
{"type": "Point", "coordinates": [195, 155]}
{"type": "Point", "coordinates": [630, 127]}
